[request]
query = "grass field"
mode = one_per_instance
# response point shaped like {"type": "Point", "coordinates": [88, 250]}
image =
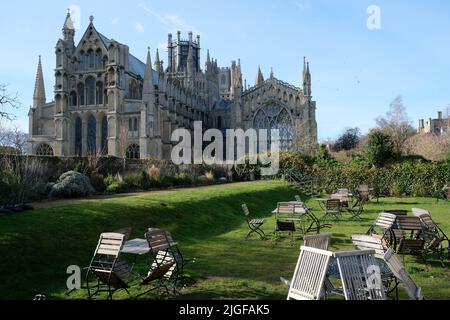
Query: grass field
{"type": "Point", "coordinates": [36, 247]}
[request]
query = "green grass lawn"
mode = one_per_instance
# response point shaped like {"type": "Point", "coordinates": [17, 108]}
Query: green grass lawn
{"type": "Point", "coordinates": [36, 247]}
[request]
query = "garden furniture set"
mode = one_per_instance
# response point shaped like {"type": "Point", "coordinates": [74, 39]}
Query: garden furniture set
{"type": "Point", "coordinates": [365, 274]}
{"type": "Point", "coordinates": [109, 272]}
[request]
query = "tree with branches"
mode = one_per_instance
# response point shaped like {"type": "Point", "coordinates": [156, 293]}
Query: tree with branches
{"type": "Point", "coordinates": [7, 101]}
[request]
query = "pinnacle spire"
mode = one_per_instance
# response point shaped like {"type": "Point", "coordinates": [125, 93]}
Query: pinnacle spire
{"type": "Point", "coordinates": [259, 77]}
{"type": "Point", "coordinates": [68, 23]}
{"type": "Point", "coordinates": [148, 76]}
{"type": "Point", "coordinates": [39, 88]}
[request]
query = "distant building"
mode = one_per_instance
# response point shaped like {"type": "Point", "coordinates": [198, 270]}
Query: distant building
{"type": "Point", "coordinates": [104, 95]}
{"type": "Point", "coordinates": [436, 126]}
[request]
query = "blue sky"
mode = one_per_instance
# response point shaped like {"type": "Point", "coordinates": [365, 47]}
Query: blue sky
{"type": "Point", "coordinates": [356, 72]}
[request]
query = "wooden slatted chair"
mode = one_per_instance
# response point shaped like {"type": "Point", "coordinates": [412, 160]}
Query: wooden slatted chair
{"type": "Point", "coordinates": [413, 243]}
{"type": "Point", "coordinates": [318, 241]}
{"type": "Point", "coordinates": [126, 232]}
{"type": "Point", "coordinates": [364, 242]}
{"type": "Point", "coordinates": [359, 277]}
{"type": "Point", "coordinates": [310, 274]}
{"type": "Point", "coordinates": [165, 266]}
{"type": "Point", "coordinates": [414, 292]}
{"type": "Point", "coordinates": [111, 272]}
{"type": "Point", "coordinates": [435, 238]}
{"type": "Point", "coordinates": [285, 215]}
{"type": "Point", "coordinates": [384, 227]}
{"type": "Point", "coordinates": [254, 224]}
{"type": "Point", "coordinates": [333, 208]}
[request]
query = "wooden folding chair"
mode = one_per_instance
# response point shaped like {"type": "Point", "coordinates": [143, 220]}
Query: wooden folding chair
{"type": "Point", "coordinates": [359, 276]}
{"type": "Point", "coordinates": [384, 226]}
{"type": "Point", "coordinates": [333, 208]}
{"type": "Point", "coordinates": [310, 275]}
{"type": "Point", "coordinates": [111, 272]}
{"type": "Point", "coordinates": [413, 243]}
{"type": "Point", "coordinates": [435, 238]}
{"type": "Point", "coordinates": [318, 241]}
{"type": "Point", "coordinates": [254, 224]}
{"type": "Point", "coordinates": [164, 268]}
{"type": "Point", "coordinates": [414, 292]}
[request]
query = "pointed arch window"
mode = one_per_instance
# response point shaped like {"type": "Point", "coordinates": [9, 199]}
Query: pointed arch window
{"type": "Point", "coordinates": [90, 86]}
{"type": "Point", "coordinates": [91, 59]}
{"type": "Point", "coordinates": [133, 152]}
{"type": "Point", "coordinates": [92, 135]}
{"type": "Point", "coordinates": [99, 58]}
{"type": "Point", "coordinates": [83, 60]}
{"type": "Point", "coordinates": [105, 135]}
{"type": "Point", "coordinates": [44, 150]}
{"type": "Point", "coordinates": [80, 88]}
{"type": "Point", "coordinates": [78, 137]}
{"type": "Point", "coordinates": [73, 99]}
{"type": "Point", "coordinates": [99, 93]}
{"type": "Point", "coordinates": [272, 117]}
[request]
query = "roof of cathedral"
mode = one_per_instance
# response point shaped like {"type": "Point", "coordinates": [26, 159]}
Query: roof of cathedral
{"type": "Point", "coordinates": [222, 104]}
{"type": "Point", "coordinates": [135, 65]}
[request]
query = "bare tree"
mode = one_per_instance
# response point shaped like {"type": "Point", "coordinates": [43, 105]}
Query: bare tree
{"type": "Point", "coordinates": [123, 140]}
{"type": "Point", "coordinates": [397, 124]}
{"type": "Point", "coordinates": [429, 146]}
{"type": "Point", "coordinates": [7, 100]}
{"type": "Point", "coordinates": [14, 139]}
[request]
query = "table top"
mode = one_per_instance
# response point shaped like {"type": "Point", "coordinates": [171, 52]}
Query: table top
{"type": "Point", "coordinates": [140, 247]}
{"type": "Point", "coordinates": [298, 210]}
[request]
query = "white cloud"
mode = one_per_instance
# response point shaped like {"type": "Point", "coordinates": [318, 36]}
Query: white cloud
{"type": "Point", "coordinates": [172, 22]}
{"type": "Point", "coordinates": [139, 27]}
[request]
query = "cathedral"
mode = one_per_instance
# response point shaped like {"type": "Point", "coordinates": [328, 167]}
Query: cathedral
{"type": "Point", "coordinates": [107, 101]}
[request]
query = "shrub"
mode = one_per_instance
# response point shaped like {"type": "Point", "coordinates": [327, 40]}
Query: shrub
{"type": "Point", "coordinates": [98, 182]}
{"type": "Point", "coordinates": [117, 187]}
{"type": "Point", "coordinates": [379, 148]}
{"type": "Point", "coordinates": [72, 184]}
{"type": "Point", "coordinates": [133, 181]}
{"type": "Point", "coordinates": [202, 180]}
{"type": "Point", "coordinates": [183, 179]}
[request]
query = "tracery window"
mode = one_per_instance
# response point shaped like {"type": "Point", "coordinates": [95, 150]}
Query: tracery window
{"type": "Point", "coordinates": [81, 94]}
{"type": "Point", "coordinates": [90, 86]}
{"type": "Point", "coordinates": [133, 152]}
{"type": "Point", "coordinates": [92, 135]}
{"type": "Point", "coordinates": [78, 137]}
{"type": "Point", "coordinates": [105, 135]}
{"type": "Point", "coordinates": [273, 117]}
{"type": "Point", "coordinates": [99, 93]}
{"type": "Point", "coordinates": [44, 150]}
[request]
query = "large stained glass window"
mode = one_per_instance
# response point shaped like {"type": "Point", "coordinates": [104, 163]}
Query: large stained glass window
{"type": "Point", "coordinates": [273, 117]}
{"type": "Point", "coordinates": [90, 85]}
{"type": "Point", "coordinates": [92, 135]}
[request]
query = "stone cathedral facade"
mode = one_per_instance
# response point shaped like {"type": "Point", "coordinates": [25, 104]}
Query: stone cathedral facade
{"type": "Point", "coordinates": [107, 101]}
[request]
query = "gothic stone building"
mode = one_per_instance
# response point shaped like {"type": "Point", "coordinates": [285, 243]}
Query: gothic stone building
{"type": "Point", "coordinates": [108, 101]}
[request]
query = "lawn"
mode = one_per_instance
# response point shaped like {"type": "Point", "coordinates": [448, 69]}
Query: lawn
{"type": "Point", "coordinates": [36, 247]}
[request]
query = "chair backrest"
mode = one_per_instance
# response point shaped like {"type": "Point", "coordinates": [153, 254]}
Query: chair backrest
{"type": "Point", "coordinates": [310, 273]}
{"type": "Point", "coordinates": [396, 267]}
{"type": "Point", "coordinates": [158, 240]}
{"type": "Point", "coordinates": [246, 211]}
{"type": "Point", "coordinates": [418, 212]}
{"type": "Point", "coordinates": [333, 204]}
{"type": "Point", "coordinates": [385, 220]}
{"type": "Point", "coordinates": [360, 275]}
{"type": "Point", "coordinates": [286, 208]}
{"type": "Point", "coordinates": [428, 222]}
{"type": "Point", "coordinates": [126, 232]}
{"type": "Point", "coordinates": [318, 241]}
{"type": "Point", "coordinates": [397, 212]}
{"type": "Point", "coordinates": [408, 223]}
{"type": "Point", "coordinates": [364, 242]}
{"type": "Point", "coordinates": [110, 244]}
